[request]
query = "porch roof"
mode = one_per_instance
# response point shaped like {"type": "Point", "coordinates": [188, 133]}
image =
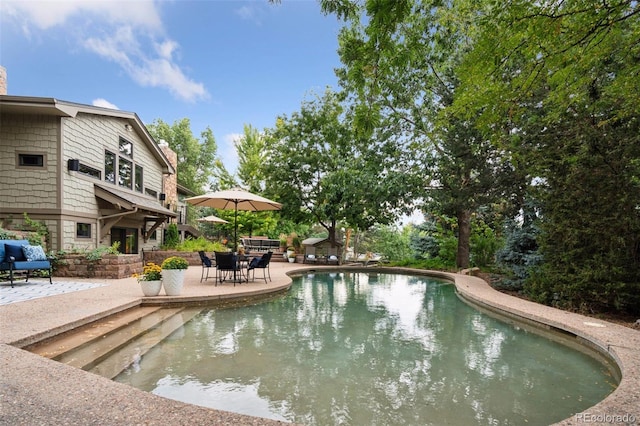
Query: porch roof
{"type": "Point", "coordinates": [127, 201]}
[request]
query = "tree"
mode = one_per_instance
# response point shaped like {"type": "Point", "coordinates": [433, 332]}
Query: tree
{"type": "Point", "coordinates": [563, 78]}
{"type": "Point", "coordinates": [195, 157]}
{"type": "Point", "coordinates": [322, 172]}
{"type": "Point", "coordinates": [400, 69]}
{"type": "Point", "coordinates": [252, 155]}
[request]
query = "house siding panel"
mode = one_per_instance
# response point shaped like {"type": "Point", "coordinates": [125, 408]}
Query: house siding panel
{"type": "Point", "coordinates": [25, 188]}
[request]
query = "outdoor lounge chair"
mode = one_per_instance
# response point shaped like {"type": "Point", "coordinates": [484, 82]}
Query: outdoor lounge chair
{"type": "Point", "coordinates": [310, 258]}
{"type": "Point", "coordinates": [227, 265]}
{"type": "Point", "coordinates": [207, 264]}
{"type": "Point", "coordinates": [260, 263]}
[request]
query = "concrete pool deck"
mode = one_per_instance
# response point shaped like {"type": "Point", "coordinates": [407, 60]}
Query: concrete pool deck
{"type": "Point", "coordinates": [36, 390]}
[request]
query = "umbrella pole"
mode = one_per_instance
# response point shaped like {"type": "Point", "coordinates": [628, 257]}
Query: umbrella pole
{"type": "Point", "coordinates": [235, 231]}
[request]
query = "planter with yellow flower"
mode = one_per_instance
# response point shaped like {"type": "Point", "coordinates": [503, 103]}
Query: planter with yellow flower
{"type": "Point", "coordinates": [173, 271]}
{"type": "Point", "coordinates": [151, 279]}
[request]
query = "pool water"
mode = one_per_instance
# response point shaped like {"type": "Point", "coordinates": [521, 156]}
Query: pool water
{"type": "Point", "coordinates": [371, 349]}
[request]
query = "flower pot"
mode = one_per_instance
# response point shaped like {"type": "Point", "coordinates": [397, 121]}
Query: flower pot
{"type": "Point", "coordinates": [172, 281]}
{"type": "Point", "coordinates": [292, 259]}
{"type": "Point", "coordinates": [151, 288]}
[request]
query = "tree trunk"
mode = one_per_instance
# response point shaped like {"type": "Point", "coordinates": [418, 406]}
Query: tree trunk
{"type": "Point", "coordinates": [464, 234]}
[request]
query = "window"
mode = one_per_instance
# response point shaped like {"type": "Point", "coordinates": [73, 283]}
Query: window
{"type": "Point", "coordinates": [126, 148]}
{"type": "Point", "coordinates": [151, 192]}
{"type": "Point", "coordinates": [90, 171]}
{"type": "Point", "coordinates": [83, 230]}
{"type": "Point", "coordinates": [125, 173]}
{"type": "Point", "coordinates": [138, 181]}
{"type": "Point", "coordinates": [30, 160]}
{"type": "Point", "coordinates": [109, 167]}
{"type": "Point", "coordinates": [129, 174]}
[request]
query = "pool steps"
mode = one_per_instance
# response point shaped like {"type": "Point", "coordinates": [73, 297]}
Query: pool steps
{"type": "Point", "coordinates": [107, 347]}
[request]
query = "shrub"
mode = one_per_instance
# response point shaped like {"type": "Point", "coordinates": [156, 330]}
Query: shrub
{"type": "Point", "coordinates": [171, 238]}
{"type": "Point", "coordinates": [200, 243]}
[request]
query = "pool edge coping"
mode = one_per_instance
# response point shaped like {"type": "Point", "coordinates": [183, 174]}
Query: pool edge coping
{"type": "Point", "coordinates": [620, 342]}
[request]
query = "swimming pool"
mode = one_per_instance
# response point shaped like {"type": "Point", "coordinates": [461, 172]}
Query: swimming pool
{"type": "Point", "coordinates": [371, 348]}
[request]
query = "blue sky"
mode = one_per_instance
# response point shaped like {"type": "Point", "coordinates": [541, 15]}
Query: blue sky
{"type": "Point", "coordinates": [220, 63]}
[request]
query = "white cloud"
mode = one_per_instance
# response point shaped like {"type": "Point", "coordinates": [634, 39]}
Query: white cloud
{"type": "Point", "coordinates": [100, 102]}
{"type": "Point", "coordinates": [228, 151]}
{"type": "Point", "coordinates": [250, 13]}
{"type": "Point", "coordinates": [46, 14]}
{"type": "Point", "coordinates": [130, 36]}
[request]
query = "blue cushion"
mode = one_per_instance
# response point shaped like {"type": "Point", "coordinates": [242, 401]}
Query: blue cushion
{"type": "Point", "coordinates": [34, 253]}
{"type": "Point", "coordinates": [15, 251]}
{"type": "Point", "coordinates": [38, 264]}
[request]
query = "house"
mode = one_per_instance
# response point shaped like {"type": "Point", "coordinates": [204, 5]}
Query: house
{"type": "Point", "coordinates": [93, 175]}
{"type": "Point", "coordinates": [321, 248]}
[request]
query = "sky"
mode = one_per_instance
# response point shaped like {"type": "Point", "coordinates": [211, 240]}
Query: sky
{"type": "Point", "coordinates": [220, 63]}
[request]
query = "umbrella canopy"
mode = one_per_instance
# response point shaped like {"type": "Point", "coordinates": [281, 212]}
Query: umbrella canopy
{"type": "Point", "coordinates": [212, 219]}
{"type": "Point", "coordinates": [234, 199]}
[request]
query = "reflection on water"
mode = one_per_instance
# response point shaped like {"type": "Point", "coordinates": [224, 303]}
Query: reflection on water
{"type": "Point", "coordinates": [374, 349]}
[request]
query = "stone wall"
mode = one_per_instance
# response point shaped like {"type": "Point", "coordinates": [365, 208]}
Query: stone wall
{"type": "Point", "coordinates": [116, 267]}
{"type": "Point", "coordinates": [108, 267]}
{"type": "Point", "coordinates": [157, 256]}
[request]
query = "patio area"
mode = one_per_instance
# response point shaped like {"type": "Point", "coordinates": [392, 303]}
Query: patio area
{"type": "Point", "coordinates": [36, 390]}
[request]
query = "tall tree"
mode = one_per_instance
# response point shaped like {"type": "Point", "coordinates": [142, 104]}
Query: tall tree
{"type": "Point", "coordinates": [195, 157]}
{"type": "Point", "coordinates": [400, 69]}
{"type": "Point", "coordinates": [252, 155]}
{"type": "Point", "coordinates": [563, 77]}
{"type": "Point", "coordinates": [322, 172]}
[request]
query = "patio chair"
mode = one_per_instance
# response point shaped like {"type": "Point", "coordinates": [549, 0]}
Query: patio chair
{"type": "Point", "coordinates": [207, 264]}
{"type": "Point", "coordinates": [260, 263]}
{"type": "Point", "coordinates": [226, 265]}
{"type": "Point", "coordinates": [310, 258]}
{"type": "Point", "coordinates": [333, 260]}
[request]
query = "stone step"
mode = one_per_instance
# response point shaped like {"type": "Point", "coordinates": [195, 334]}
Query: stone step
{"type": "Point", "coordinates": [94, 351]}
{"type": "Point", "coordinates": [86, 334]}
{"type": "Point", "coordinates": [127, 354]}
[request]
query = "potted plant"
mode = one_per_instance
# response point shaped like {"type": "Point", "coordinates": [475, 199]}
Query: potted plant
{"type": "Point", "coordinates": [291, 256]}
{"type": "Point", "coordinates": [173, 270]}
{"type": "Point", "coordinates": [283, 242]}
{"type": "Point", "coordinates": [151, 279]}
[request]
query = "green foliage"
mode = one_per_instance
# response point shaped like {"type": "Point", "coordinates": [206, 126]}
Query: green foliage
{"type": "Point", "coordinates": [484, 244]}
{"type": "Point", "coordinates": [323, 172]}
{"type": "Point", "coordinates": [172, 237]}
{"type": "Point", "coordinates": [97, 253]}
{"type": "Point", "coordinates": [40, 228]}
{"type": "Point", "coordinates": [175, 262]}
{"type": "Point", "coordinates": [520, 255]}
{"type": "Point", "coordinates": [195, 156]}
{"type": "Point", "coordinates": [508, 99]}
{"type": "Point", "coordinates": [200, 244]}
{"type": "Point", "coordinates": [388, 241]}
{"type": "Point", "coordinates": [5, 234]}
{"type": "Point", "coordinates": [252, 155]}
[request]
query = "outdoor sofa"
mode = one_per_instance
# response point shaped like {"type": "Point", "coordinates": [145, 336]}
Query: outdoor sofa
{"type": "Point", "coordinates": [19, 255]}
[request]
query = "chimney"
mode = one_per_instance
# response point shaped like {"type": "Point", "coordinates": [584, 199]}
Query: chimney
{"type": "Point", "coordinates": [170, 181]}
{"type": "Point", "coordinates": [3, 80]}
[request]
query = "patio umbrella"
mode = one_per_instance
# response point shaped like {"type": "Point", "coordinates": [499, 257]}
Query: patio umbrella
{"type": "Point", "coordinates": [212, 219]}
{"type": "Point", "coordinates": [234, 199]}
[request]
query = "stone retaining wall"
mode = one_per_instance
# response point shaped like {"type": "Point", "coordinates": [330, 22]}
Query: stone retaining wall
{"type": "Point", "coordinates": [116, 266]}
{"type": "Point", "coordinates": [109, 266]}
